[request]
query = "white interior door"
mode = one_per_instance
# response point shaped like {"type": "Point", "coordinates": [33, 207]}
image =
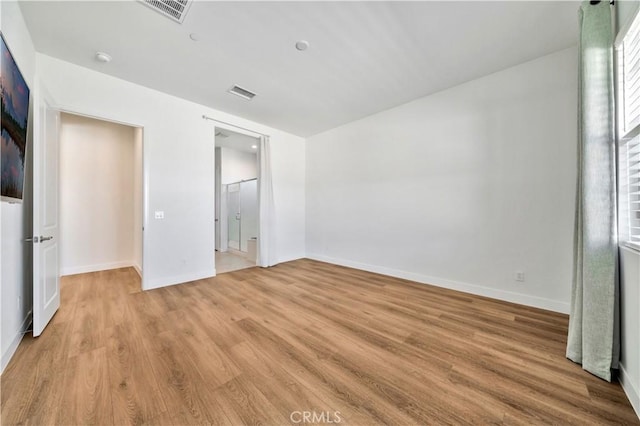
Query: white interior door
{"type": "Point", "coordinates": [46, 276]}
{"type": "Point", "coordinates": [218, 192]}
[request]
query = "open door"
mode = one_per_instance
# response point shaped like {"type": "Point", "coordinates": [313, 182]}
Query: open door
{"type": "Point", "coordinates": [46, 247]}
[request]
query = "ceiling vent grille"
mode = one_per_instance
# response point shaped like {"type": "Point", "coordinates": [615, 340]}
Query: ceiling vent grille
{"type": "Point", "coordinates": [175, 10]}
{"type": "Point", "coordinates": [243, 93]}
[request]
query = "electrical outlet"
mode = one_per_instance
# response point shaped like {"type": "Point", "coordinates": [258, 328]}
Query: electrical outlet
{"type": "Point", "coordinates": [159, 214]}
{"type": "Point", "coordinates": [520, 276]}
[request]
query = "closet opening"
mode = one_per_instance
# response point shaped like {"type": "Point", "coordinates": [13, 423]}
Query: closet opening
{"type": "Point", "coordinates": [101, 198]}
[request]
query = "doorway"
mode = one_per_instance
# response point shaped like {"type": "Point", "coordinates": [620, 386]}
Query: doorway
{"type": "Point", "coordinates": [236, 204]}
{"type": "Point", "coordinates": [101, 195]}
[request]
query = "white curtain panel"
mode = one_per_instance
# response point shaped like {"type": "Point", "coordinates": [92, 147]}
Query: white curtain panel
{"type": "Point", "coordinates": [593, 339]}
{"type": "Point", "coordinates": [266, 221]}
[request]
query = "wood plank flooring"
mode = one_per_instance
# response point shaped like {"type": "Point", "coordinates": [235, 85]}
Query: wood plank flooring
{"type": "Point", "coordinates": [255, 346]}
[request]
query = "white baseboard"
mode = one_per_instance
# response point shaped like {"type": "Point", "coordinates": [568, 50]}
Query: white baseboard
{"type": "Point", "coordinates": [508, 296]}
{"type": "Point", "coordinates": [291, 258]}
{"type": "Point", "coordinates": [72, 270]}
{"type": "Point", "coordinates": [138, 269]}
{"type": "Point", "coordinates": [630, 389]}
{"type": "Point", "coordinates": [11, 350]}
{"type": "Point", "coordinates": [178, 279]}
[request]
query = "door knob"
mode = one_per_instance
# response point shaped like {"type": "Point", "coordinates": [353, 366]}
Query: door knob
{"type": "Point", "coordinates": [43, 239]}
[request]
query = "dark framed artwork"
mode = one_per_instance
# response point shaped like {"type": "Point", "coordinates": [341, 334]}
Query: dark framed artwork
{"type": "Point", "coordinates": [15, 117]}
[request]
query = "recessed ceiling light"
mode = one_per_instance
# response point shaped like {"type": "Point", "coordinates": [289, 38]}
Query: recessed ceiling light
{"type": "Point", "coordinates": [302, 45]}
{"type": "Point", "coordinates": [194, 36]}
{"type": "Point", "coordinates": [103, 57]}
{"type": "Point", "coordinates": [254, 146]}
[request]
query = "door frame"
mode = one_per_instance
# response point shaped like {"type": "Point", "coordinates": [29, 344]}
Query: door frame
{"type": "Point", "coordinates": [145, 178]}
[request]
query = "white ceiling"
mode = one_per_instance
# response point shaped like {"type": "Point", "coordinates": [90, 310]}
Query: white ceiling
{"type": "Point", "coordinates": [364, 57]}
{"type": "Point", "coordinates": [236, 141]}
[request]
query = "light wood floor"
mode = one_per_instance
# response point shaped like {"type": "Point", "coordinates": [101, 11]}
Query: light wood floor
{"type": "Point", "coordinates": [253, 346]}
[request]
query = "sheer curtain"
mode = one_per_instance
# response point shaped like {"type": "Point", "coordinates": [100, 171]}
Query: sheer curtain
{"type": "Point", "coordinates": [593, 339]}
{"type": "Point", "coordinates": [266, 221]}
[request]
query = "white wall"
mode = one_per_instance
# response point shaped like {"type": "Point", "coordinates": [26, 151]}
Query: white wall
{"type": "Point", "coordinates": [15, 284]}
{"type": "Point", "coordinates": [459, 189]}
{"type": "Point", "coordinates": [97, 194]}
{"type": "Point", "coordinates": [179, 169]}
{"type": "Point", "coordinates": [138, 192]}
{"type": "Point", "coordinates": [629, 284]}
{"type": "Point", "coordinates": [288, 179]}
{"type": "Point", "coordinates": [238, 165]}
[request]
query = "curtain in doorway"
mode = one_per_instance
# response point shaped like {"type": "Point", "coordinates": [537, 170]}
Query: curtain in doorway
{"type": "Point", "coordinates": [266, 221]}
{"type": "Point", "coordinates": [593, 339]}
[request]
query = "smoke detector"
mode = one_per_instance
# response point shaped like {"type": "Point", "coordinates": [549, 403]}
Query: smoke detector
{"type": "Point", "coordinates": [176, 10]}
{"type": "Point", "coordinates": [103, 57]}
{"type": "Point", "coordinates": [302, 45]}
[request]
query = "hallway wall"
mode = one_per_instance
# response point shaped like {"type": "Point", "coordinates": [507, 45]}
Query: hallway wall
{"type": "Point", "coordinates": [97, 193]}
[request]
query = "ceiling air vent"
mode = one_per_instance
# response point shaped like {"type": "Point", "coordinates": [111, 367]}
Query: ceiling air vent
{"type": "Point", "coordinates": [243, 93]}
{"type": "Point", "coordinates": [175, 10]}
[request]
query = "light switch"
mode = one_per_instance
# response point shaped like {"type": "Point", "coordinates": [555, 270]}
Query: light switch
{"type": "Point", "coordinates": [159, 214]}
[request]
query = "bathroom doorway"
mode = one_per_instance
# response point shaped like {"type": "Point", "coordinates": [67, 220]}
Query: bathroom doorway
{"type": "Point", "coordinates": [236, 192]}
